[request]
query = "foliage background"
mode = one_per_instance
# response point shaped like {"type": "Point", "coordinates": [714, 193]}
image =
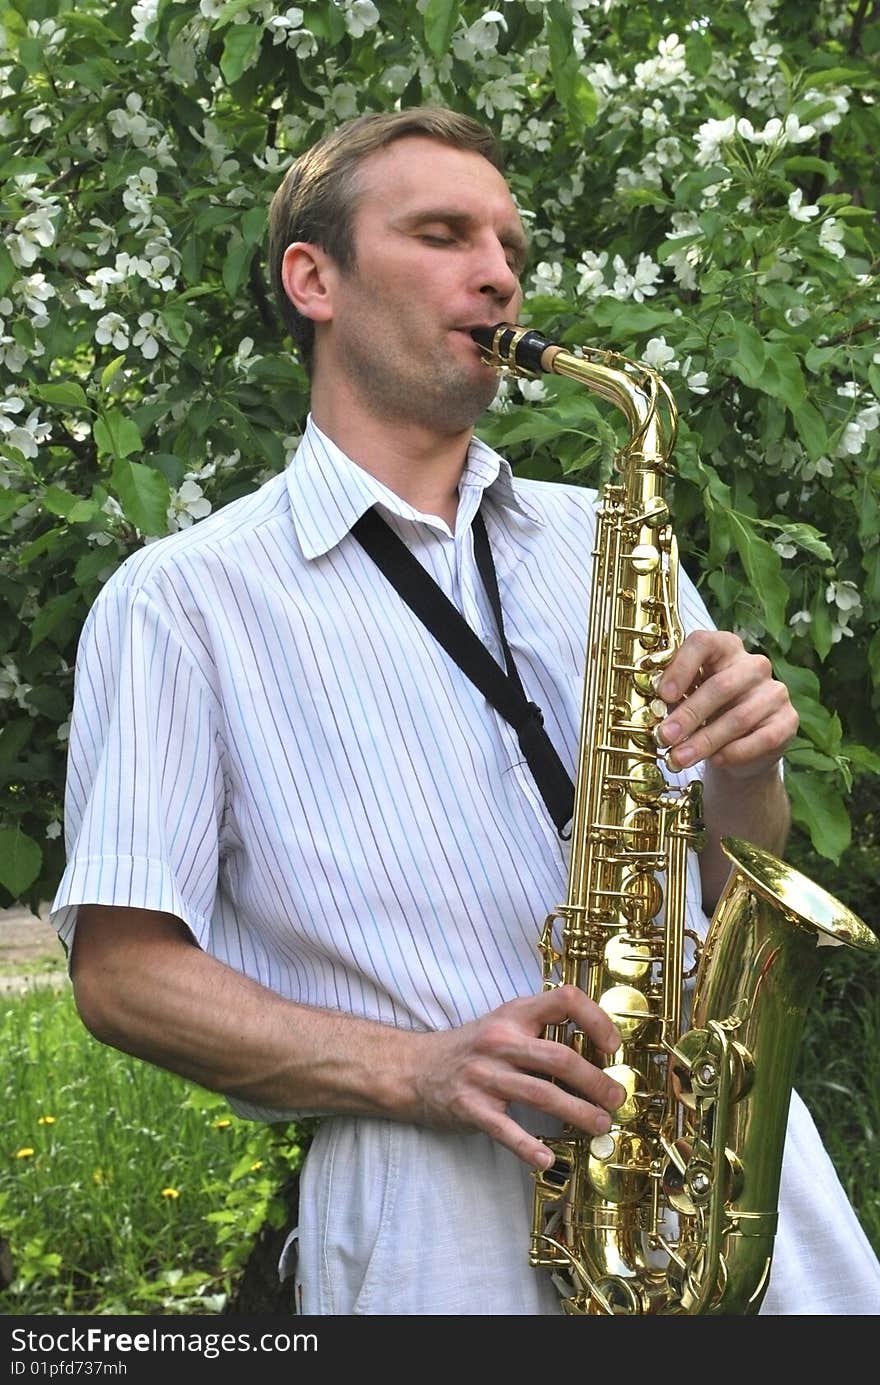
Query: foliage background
{"type": "Point", "coordinates": [700, 185]}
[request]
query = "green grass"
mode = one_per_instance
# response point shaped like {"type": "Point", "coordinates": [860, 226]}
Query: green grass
{"type": "Point", "coordinates": [124, 1189]}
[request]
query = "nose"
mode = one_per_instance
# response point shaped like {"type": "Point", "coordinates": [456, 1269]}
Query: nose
{"type": "Point", "coordinates": [499, 280]}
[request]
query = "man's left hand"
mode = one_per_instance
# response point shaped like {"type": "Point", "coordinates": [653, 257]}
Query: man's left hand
{"type": "Point", "coordinates": [725, 707]}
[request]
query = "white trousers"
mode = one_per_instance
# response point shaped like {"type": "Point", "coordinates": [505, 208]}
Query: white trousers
{"type": "Point", "coordinates": [395, 1220]}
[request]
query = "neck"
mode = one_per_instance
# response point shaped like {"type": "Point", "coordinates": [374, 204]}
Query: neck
{"type": "Point", "coordinates": [421, 466]}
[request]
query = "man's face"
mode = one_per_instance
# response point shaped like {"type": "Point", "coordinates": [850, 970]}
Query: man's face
{"type": "Point", "coordinates": [438, 249]}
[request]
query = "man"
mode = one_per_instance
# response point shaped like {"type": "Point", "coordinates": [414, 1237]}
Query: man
{"type": "Point", "coordinates": [307, 861]}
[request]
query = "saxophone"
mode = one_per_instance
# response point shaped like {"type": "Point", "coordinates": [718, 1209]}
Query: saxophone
{"type": "Point", "coordinates": [674, 1210]}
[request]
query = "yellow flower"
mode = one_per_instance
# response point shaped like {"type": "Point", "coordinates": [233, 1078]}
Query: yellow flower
{"type": "Point", "coordinates": [257, 1165]}
{"type": "Point", "coordinates": [222, 1125]}
{"type": "Point", "coordinates": [46, 1120]}
{"type": "Point", "coordinates": [24, 1153]}
{"type": "Point", "coordinates": [170, 1192]}
{"type": "Point", "coordinates": [98, 1177]}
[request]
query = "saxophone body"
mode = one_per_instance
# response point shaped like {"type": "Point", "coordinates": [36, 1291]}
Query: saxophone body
{"type": "Point", "coordinates": [674, 1210]}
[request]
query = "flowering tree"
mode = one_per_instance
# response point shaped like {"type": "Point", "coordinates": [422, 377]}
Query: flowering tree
{"type": "Point", "coordinates": [699, 185]}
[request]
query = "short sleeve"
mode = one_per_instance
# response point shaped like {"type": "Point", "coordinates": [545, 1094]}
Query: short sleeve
{"type": "Point", "coordinates": [145, 787]}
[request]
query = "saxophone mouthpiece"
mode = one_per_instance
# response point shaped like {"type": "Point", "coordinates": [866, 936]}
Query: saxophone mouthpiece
{"type": "Point", "coordinates": [514, 348]}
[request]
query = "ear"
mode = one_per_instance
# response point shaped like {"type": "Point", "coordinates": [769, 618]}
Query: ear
{"type": "Point", "coordinates": [307, 273]}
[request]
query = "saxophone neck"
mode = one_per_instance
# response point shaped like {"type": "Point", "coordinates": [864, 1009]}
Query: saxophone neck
{"type": "Point", "coordinates": [641, 395]}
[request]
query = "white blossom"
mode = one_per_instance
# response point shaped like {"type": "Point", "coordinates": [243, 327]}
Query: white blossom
{"type": "Point", "coordinates": [188, 503]}
{"type": "Point", "coordinates": [698, 382]}
{"type": "Point", "coordinates": [532, 390]}
{"type": "Point", "coordinates": [547, 277]}
{"type": "Point", "coordinates": [112, 330]}
{"type": "Point", "coordinates": [143, 13]}
{"type": "Point", "coordinates": [800, 622]}
{"type": "Point", "coordinates": [148, 335]}
{"type": "Point", "coordinates": [639, 284]}
{"type": "Point", "coordinates": [140, 189]}
{"type": "Point", "coordinates": [53, 829]}
{"type": "Point", "coordinates": [843, 595]}
{"type": "Point", "coordinates": [360, 15]}
{"type": "Point", "coordinates": [244, 356]}
{"type": "Point", "coordinates": [659, 355]}
{"type": "Point", "coordinates": [27, 434]}
{"type": "Point", "coordinates": [656, 74]}
{"type": "Point", "coordinates": [12, 689]}
{"type": "Point", "coordinates": [95, 296]}
{"type": "Point", "coordinates": [591, 280]}
{"type": "Point", "coordinates": [784, 547]}
{"type": "Point", "coordinates": [796, 208]}
{"type": "Point", "coordinates": [34, 292]}
{"type": "Point", "coordinates": [480, 39]}
{"type": "Point", "coordinates": [33, 233]}
{"type": "Point", "coordinates": [710, 137]}
{"type": "Point", "coordinates": [129, 122]}
{"type": "Point", "coordinates": [502, 402]}
{"type": "Point", "coordinates": [831, 234]}
{"type": "Point", "coordinates": [289, 31]}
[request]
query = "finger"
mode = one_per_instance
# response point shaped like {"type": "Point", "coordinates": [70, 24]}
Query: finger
{"type": "Point", "coordinates": [761, 718]}
{"type": "Point", "coordinates": [520, 1142]}
{"type": "Point", "coordinates": [725, 689]}
{"type": "Point", "coordinates": [706, 649]}
{"type": "Point", "coordinates": [562, 1105]}
{"type": "Point", "coordinates": [765, 745]}
{"type": "Point", "coordinates": [562, 1003]}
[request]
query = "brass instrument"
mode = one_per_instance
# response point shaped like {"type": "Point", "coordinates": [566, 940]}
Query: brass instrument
{"type": "Point", "coordinates": [674, 1210]}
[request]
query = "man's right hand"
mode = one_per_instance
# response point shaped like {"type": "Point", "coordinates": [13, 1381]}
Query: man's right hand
{"type": "Point", "coordinates": [468, 1077]}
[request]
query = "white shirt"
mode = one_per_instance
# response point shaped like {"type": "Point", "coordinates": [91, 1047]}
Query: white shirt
{"type": "Point", "coordinates": [269, 745]}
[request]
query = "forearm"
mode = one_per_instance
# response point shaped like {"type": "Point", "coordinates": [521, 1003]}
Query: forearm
{"type": "Point", "coordinates": [756, 809]}
{"type": "Point", "coordinates": [158, 996]}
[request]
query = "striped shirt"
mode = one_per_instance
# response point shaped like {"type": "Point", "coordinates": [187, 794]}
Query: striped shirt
{"type": "Point", "coordinates": [269, 745]}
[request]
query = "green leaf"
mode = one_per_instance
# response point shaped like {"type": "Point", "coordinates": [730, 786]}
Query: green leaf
{"type": "Point", "coordinates": [90, 566]}
{"type": "Point", "coordinates": [864, 758]}
{"type": "Point", "coordinates": [807, 538]}
{"type": "Point", "coordinates": [574, 91]}
{"type": "Point", "coordinates": [820, 624]}
{"type": "Point", "coordinates": [748, 359]}
{"type": "Point", "coordinates": [116, 434]}
{"type": "Point", "coordinates": [49, 702]}
{"type": "Point", "coordinates": [58, 501]}
{"type": "Point", "coordinates": [144, 496]}
{"type": "Point", "coordinates": [783, 376]}
{"type": "Point", "coordinates": [10, 502]}
{"type": "Point", "coordinates": [20, 860]}
{"type": "Point", "coordinates": [68, 395]}
{"type": "Point", "coordinates": [440, 18]}
{"type": "Point", "coordinates": [53, 614]}
{"type": "Point", "coordinates": [174, 319]}
{"type": "Point", "coordinates": [820, 810]}
{"type": "Point", "coordinates": [109, 373]}
{"type": "Point", "coordinates": [30, 55]}
{"type": "Point", "coordinates": [253, 224]}
{"type": "Point", "coordinates": [236, 264]}
{"type": "Point", "coordinates": [763, 567]}
{"type": "Point", "coordinates": [811, 429]}
{"type": "Point", "coordinates": [8, 270]}
{"type": "Point", "coordinates": [13, 739]}
{"type": "Point", "coordinates": [240, 49]}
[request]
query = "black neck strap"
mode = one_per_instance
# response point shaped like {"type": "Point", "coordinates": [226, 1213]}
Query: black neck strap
{"type": "Point", "coordinates": [448, 626]}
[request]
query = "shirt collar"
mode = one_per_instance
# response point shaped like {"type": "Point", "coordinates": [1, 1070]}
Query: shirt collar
{"type": "Point", "coordinates": [329, 492]}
